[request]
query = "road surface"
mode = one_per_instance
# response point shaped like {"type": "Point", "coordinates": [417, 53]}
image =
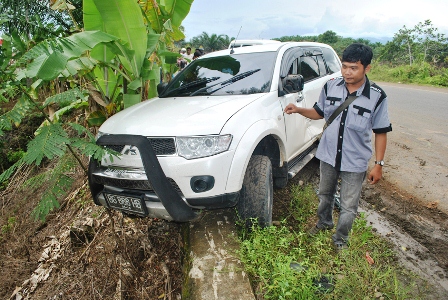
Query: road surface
{"type": "Point", "coordinates": [417, 151]}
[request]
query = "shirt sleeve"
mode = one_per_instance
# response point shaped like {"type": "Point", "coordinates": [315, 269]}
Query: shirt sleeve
{"type": "Point", "coordinates": [381, 122]}
{"type": "Point", "coordinates": [319, 106]}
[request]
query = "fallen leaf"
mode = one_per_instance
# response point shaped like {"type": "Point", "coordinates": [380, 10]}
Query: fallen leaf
{"type": "Point", "coordinates": [369, 259]}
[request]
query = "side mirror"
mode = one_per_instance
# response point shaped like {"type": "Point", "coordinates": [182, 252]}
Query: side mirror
{"type": "Point", "coordinates": [161, 87]}
{"type": "Point", "coordinates": [293, 83]}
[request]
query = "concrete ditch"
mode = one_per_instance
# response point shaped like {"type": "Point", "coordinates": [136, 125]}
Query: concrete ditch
{"type": "Point", "coordinates": [215, 271]}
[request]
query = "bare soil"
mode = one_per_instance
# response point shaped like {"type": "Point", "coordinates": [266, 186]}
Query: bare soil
{"type": "Point", "coordinates": [83, 251]}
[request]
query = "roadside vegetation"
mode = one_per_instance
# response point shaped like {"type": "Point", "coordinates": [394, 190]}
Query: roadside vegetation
{"type": "Point", "coordinates": [284, 262]}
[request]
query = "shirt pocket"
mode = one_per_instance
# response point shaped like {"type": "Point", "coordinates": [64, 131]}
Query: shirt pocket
{"type": "Point", "coordinates": [358, 118]}
{"type": "Point", "coordinates": [331, 104]}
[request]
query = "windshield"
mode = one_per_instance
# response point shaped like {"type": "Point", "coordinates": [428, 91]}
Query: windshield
{"type": "Point", "coordinates": [238, 74]}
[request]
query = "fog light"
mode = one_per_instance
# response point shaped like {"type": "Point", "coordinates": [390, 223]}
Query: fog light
{"type": "Point", "coordinates": [200, 184]}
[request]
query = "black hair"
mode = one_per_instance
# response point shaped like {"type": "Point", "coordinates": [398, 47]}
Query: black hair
{"type": "Point", "coordinates": [188, 48]}
{"type": "Point", "coordinates": [197, 53]}
{"type": "Point", "coordinates": [358, 52]}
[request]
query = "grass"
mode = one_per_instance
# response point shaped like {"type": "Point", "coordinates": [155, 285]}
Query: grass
{"type": "Point", "coordinates": [418, 73]}
{"type": "Point", "coordinates": [285, 263]}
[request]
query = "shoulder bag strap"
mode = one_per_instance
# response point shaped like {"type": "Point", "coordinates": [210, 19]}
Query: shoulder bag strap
{"type": "Point", "coordinates": [343, 106]}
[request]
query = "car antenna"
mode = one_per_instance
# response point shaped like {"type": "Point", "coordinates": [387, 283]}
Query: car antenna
{"type": "Point", "coordinates": [233, 45]}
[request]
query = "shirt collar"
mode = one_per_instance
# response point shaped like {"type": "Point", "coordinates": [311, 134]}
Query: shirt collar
{"type": "Point", "coordinates": [363, 90]}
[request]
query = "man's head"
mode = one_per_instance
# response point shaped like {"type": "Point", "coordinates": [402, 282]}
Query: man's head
{"type": "Point", "coordinates": [183, 50]}
{"type": "Point", "coordinates": [188, 50]}
{"type": "Point", "coordinates": [356, 60]}
{"type": "Point", "coordinates": [358, 52]}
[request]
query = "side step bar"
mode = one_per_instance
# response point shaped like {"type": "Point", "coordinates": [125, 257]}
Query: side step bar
{"type": "Point", "coordinates": [301, 163]}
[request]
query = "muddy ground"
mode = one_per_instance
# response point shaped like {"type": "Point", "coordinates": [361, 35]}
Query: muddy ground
{"type": "Point", "coordinates": [83, 252]}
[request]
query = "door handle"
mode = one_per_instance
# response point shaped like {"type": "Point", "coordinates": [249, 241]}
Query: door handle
{"type": "Point", "coordinates": [300, 97]}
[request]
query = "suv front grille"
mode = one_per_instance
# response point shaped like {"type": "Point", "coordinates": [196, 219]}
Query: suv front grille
{"type": "Point", "coordinates": [161, 146]}
{"type": "Point", "coordinates": [132, 184]}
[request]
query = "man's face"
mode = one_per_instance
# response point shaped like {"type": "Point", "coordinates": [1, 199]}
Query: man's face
{"type": "Point", "coordinates": [188, 51]}
{"type": "Point", "coordinates": [354, 73]}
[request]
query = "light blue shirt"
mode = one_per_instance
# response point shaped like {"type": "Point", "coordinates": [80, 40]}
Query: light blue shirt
{"type": "Point", "coordinates": [347, 143]}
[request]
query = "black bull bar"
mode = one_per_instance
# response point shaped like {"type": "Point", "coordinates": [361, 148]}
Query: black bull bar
{"type": "Point", "coordinates": [171, 200]}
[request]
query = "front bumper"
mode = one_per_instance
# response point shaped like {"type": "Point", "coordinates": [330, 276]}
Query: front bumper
{"type": "Point", "coordinates": [161, 195]}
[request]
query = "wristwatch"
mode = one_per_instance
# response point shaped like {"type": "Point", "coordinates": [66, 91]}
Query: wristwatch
{"type": "Point", "coordinates": [381, 162]}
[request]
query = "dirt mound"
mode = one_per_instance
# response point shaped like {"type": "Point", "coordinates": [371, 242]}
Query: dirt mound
{"type": "Point", "coordinates": [83, 251]}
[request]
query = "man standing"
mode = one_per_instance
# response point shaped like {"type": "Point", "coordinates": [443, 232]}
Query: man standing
{"type": "Point", "coordinates": [189, 55]}
{"type": "Point", "coordinates": [345, 147]}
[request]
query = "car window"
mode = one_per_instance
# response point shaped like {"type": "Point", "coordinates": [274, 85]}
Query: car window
{"type": "Point", "coordinates": [236, 74]}
{"type": "Point", "coordinates": [321, 63]}
{"type": "Point", "coordinates": [309, 68]}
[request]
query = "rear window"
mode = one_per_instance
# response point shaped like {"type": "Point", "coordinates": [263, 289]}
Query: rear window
{"type": "Point", "coordinates": [238, 74]}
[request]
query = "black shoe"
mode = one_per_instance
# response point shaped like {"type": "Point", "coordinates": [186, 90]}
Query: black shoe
{"type": "Point", "coordinates": [315, 230]}
{"type": "Point", "coordinates": [339, 247]}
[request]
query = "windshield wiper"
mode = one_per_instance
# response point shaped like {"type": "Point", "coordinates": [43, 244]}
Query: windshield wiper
{"type": "Point", "coordinates": [226, 82]}
{"type": "Point", "coordinates": [193, 83]}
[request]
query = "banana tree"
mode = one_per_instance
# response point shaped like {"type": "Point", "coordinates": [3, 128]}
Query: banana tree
{"type": "Point", "coordinates": [148, 28]}
{"type": "Point", "coordinates": [123, 45]}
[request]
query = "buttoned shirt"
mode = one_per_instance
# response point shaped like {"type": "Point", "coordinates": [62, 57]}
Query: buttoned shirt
{"type": "Point", "coordinates": [347, 143]}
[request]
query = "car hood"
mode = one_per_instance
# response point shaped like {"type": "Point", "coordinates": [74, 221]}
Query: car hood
{"type": "Point", "coordinates": [177, 116]}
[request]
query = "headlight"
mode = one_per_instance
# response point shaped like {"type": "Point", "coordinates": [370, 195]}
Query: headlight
{"type": "Point", "coordinates": [191, 147]}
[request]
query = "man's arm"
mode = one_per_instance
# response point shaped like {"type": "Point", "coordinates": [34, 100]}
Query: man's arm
{"type": "Point", "coordinates": [380, 149]}
{"type": "Point", "coordinates": [310, 113]}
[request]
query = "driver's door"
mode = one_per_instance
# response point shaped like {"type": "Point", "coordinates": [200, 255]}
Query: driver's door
{"type": "Point", "coordinates": [295, 124]}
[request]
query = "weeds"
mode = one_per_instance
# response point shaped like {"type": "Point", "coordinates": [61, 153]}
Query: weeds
{"type": "Point", "coordinates": [285, 263]}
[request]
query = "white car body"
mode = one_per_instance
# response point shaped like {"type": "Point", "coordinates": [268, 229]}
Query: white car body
{"type": "Point", "coordinates": [250, 119]}
{"type": "Point", "coordinates": [246, 43]}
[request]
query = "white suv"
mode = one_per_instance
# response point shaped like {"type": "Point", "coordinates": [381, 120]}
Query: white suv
{"type": "Point", "coordinates": [216, 136]}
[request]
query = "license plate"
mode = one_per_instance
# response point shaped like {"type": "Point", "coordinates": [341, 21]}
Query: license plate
{"type": "Point", "coordinates": [127, 203]}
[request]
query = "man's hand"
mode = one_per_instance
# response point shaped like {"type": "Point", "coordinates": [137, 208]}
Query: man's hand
{"type": "Point", "coordinates": [290, 108]}
{"type": "Point", "coordinates": [375, 174]}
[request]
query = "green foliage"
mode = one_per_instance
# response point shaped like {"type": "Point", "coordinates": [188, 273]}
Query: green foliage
{"type": "Point", "coordinates": [302, 204]}
{"type": "Point", "coordinates": [16, 114]}
{"type": "Point", "coordinates": [9, 225]}
{"type": "Point", "coordinates": [50, 58]}
{"type": "Point", "coordinates": [284, 262]}
{"type": "Point", "coordinates": [15, 156]}
{"type": "Point", "coordinates": [50, 143]}
{"type": "Point", "coordinates": [422, 73]}
{"type": "Point", "coordinates": [211, 42]}
{"type": "Point", "coordinates": [115, 47]}
{"type": "Point", "coordinates": [58, 181]}
{"type": "Point", "coordinates": [66, 98]}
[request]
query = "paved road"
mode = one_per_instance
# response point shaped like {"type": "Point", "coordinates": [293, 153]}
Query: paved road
{"type": "Point", "coordinates": [417, 153]}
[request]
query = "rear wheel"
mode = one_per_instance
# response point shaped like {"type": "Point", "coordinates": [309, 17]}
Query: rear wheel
{"type": "Point", "coordinates": [257, 194]}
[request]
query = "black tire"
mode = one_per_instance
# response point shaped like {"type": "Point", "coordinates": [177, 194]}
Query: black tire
{"type": "Point", "coordinates": [256, 197]}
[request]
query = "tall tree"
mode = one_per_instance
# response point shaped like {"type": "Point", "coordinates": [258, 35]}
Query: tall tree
{"type": "Point", "coordinates": [432, 43]}
{"type": "Point", "coordinates": [37, 19]}
{"type": "Point", "coordinates": [211, 42]}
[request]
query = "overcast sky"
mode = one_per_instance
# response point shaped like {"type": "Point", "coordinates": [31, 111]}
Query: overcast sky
{"type": "Point", "coordinates": [261, 19]}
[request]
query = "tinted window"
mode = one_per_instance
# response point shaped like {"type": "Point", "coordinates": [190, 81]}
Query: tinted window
{"type": "Point", "coordinates": [321, 63]}
{"type": "Point", "coordinates": [223, 75]}
{"type": "Point", "coordinates": [309, 68]}
{"type": "Point", "coordinates": [331, 60]}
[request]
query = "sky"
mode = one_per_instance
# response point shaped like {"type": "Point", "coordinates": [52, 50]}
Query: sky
{"type": "Point", "coordinates": [261, 19]}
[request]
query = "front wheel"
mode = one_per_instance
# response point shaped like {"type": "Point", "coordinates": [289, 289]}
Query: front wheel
{"type": "Point", "coordinates": [257, 194]}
